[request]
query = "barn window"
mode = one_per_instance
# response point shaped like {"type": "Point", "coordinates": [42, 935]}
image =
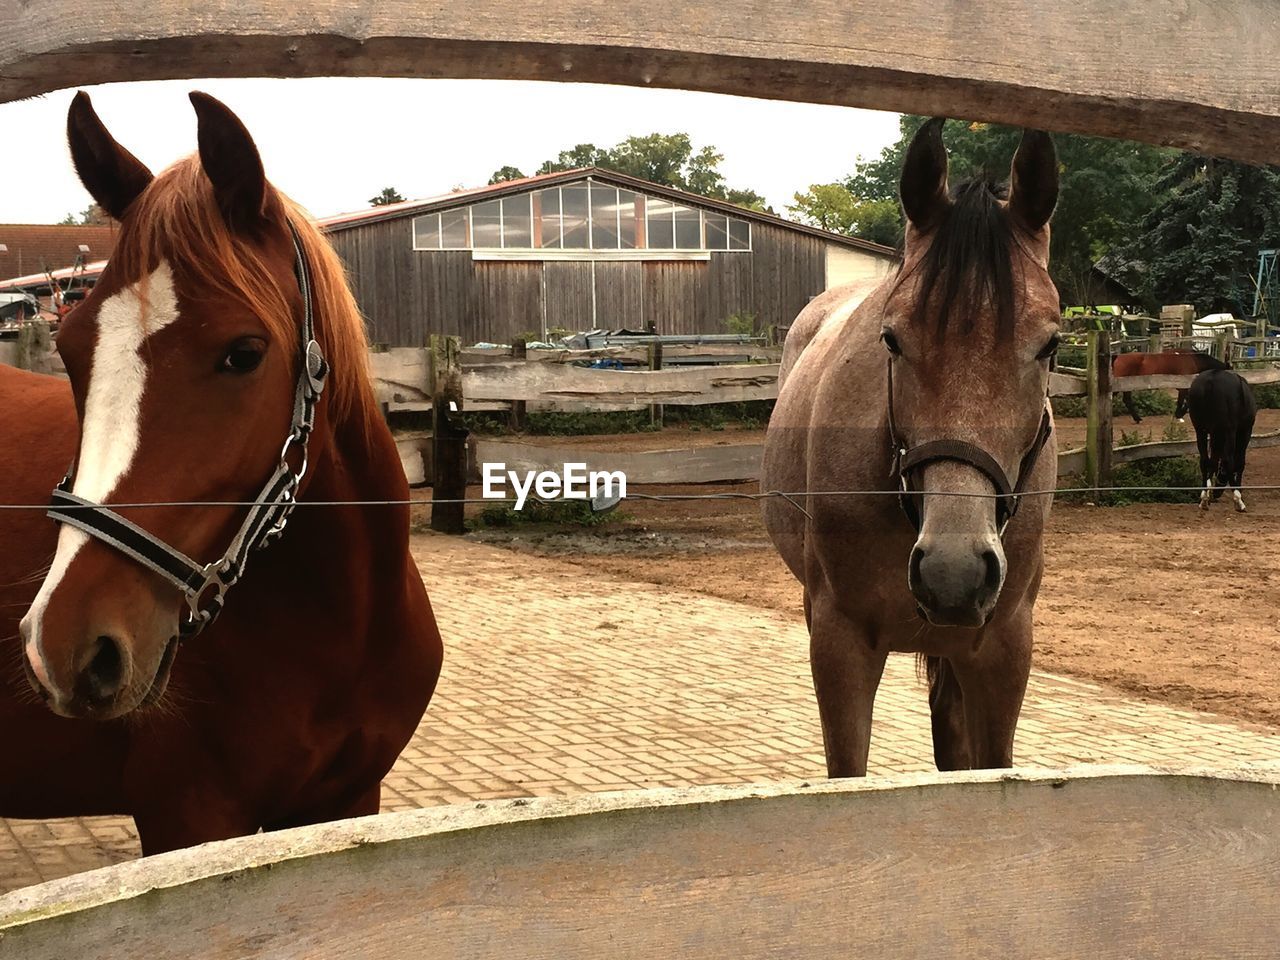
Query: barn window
{"type": "Point", "coordinates": [486, 224]}
{"type": "Point", "coordinates": [517, 221]}
{"type": "Point", "coordinates": [575, 213]}
{"type": "Point", "coordinates": [630, 220]}
{"type": "Point", "coordinates": [548, 204]}
{"type": "Point", "coordinates": [455, 230]}
{"type": "Point", "coordinates": [604, 217]}
{"type": "Point", "coordinates": [661, 217]}
{"type": "Point", "coordinates": [688, 228]}
{"type": "Point", "coordinates": [426, 232]}
{"type": "Point", "coordinates": [582, 216]}
{"type": "Point", "coordinates": [717, 231]}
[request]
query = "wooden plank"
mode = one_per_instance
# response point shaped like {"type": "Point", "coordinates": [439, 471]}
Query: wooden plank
{"type": "Point", "coordinates": [1072, 461]}
{"type": "Point", "coordinates": [718, 464]}
{"type": "Point", "coordinates": [678, 385]}
{"type": "Point", "coordinates": [401, 375]}
{"type": "Point", "coordinates": [1066, 385]}
{"type": "Point", "coordinates": [1150, 70]}
{"type": "Point", "coordinates": [1107, 863]}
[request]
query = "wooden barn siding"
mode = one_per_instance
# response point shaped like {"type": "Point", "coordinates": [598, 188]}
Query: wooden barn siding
{"type": "Point", "coordinates": [407, 295]}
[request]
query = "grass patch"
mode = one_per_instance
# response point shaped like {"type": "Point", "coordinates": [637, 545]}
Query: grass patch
{"type": "Point", "coordinates": [747, 415]}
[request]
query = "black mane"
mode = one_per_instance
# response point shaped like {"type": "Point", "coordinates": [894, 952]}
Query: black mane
{"type": "Point", "coordinates": [968, 267]}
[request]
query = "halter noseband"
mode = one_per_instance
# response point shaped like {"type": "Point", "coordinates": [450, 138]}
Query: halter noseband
{"type": "Point", "coordinates": [906, 459]}
{"type": "Point", "coordinates": [204, 586]}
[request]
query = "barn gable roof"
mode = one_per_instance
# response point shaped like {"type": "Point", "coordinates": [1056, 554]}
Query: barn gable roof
{"type": "Point", "coordinates": [461, 198]}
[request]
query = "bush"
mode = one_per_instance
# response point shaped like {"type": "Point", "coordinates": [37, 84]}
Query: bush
{"type": "Point", "coordinates": [576, 513]}
{"type": "Point", "coordinates": [1149, 403]}
{"type": "Point", "coordinates": [1166, 472]}
{"type": "Point", "coordinates": [1267, 396]}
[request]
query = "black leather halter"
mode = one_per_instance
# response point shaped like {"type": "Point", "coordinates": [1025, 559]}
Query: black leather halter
{"type": "Point", "coordinates": [907, 459]}
{"type": "Point", "coordinates": [204, 586]}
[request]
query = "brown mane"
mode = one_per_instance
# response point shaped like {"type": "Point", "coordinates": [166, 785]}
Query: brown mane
{"type": "Point", "coordinates": [177, 216]}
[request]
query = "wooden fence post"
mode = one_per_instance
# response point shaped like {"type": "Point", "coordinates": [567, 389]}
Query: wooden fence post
{"type": "Point", "coordinates": [655, 363]}
{"type": "Point", "coordinates": [1097, 448]}
{"type": "Point", "coordinates": [448, 438]}
{"type": "Point", "coordinates": [1221, 346]}
{"type": "Point", "coordinates": [35, 346]}
{"type": "Point", "coordinates": [519, 409]}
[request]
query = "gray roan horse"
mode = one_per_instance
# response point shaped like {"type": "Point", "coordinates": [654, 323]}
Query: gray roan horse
{"type": "Point", "coordinates": [934, 384]}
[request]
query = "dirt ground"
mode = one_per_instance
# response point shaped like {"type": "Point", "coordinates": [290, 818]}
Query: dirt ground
{"type": "Point", "coordinates": [1161, 601]}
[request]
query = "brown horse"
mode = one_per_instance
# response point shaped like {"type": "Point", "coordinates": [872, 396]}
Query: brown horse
{"type": "Point", "coordinates": [1167, 362]}
{"type": "Point", "coordinates": [190, 363]}
{"type": "Point", "coordinates": [935, 384]}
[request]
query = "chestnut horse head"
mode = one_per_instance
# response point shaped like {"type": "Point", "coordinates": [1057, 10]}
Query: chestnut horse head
{"type": "Point", "coordinates": [968, 329]}
{"type": "Point", "coordinates": [185, 362]}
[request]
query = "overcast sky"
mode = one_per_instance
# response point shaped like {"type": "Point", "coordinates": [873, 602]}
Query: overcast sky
{"type": "Point", "coordinates": [333, 143]}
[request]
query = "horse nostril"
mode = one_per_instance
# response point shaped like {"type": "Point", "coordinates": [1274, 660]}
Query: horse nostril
{"type": "Point", "coordinates": [104, 676]}
{"type": "Point", "coordinates": [992, 580]}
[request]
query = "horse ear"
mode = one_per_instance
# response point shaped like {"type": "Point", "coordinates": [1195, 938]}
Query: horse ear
{"type": "Point", "coordinates": [231, 161]}
{"type": "Point", "coordinates": [923, 187]}
{"type": "Point", "coordinates": [1033, 185]}
{"type": "Point", "coordinates": [113, 176]}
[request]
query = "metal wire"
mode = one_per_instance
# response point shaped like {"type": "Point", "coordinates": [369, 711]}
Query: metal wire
{"type": "Point", "coordinates": [793, 497]}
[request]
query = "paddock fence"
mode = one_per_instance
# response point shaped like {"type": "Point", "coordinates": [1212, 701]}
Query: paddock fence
{"type": "Point", "coordinates": [512, 381]}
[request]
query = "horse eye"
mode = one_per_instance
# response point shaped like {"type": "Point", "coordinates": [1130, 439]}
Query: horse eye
{"type": "Point", "coordinates": [244, 355]}
{"type": "Point", "coordinates": [890, 342]}
{"type": "Point", "coordinates": [1050, 348]}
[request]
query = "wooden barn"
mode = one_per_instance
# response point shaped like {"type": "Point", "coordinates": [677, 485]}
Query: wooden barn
{"type": "Point", "coordinates": [581, 250]}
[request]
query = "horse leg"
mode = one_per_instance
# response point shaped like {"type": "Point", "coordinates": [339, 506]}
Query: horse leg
{"type": "Point", "coordinates": [1237, 473]}
{"type": "Point", "coordinates": [994, 681]}
{"type": "Point", "coordinates": [1206, 466]}
{"type": "Point", "coordinates": [1129, 405]}
{"type": "Point", "coordinates": [946, 708]}
{"type": "Point", "coordinates": [846, 671]}
{"type": "Point", "coordinates": [1180, 411]}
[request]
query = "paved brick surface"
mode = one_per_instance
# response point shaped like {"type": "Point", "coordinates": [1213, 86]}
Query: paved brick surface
{"type": "Point", "coordinates": [557, 684]}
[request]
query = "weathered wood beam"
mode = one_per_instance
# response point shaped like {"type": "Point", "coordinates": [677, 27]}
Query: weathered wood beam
{"type": "Point", "coordinates": [724, 463]}
{"type": "Point", "coordinates": [1204, 76]}
{"type": "Point", "coordinates": [521, 380]}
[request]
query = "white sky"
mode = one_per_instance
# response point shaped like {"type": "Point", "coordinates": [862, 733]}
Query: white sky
{"type": "Point", "coordinates": [333, 143]}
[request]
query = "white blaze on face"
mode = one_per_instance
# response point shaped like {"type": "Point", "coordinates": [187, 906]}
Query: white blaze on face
{"type": "Point", "coordinates": [109, 434]}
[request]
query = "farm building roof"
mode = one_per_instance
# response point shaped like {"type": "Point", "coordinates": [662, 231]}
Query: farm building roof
{"type": "Point", "coordinates": [459, 198]}
{"type": "Point", "coordinates": [35, 247]}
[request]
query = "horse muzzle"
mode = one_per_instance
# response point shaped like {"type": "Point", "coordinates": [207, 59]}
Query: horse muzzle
{"type": "Point", "coordinates": [956, 579]}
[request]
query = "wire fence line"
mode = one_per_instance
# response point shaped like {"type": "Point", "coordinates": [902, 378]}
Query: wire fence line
{"type": "Point", "coordinates": [659, 497]}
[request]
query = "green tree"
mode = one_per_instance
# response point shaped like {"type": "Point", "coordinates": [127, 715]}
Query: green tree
{"type": "Point", "coordinates": [576, 158]}
{"type": "Point", "coordinates": [1200, 243]}
{"type": "Point", "coordinates": [92, 215]}
{"type": "Point", "coordinates": [503, 174]}
{"type": "Point", "coordinates": [832, 206]}
{"type": "Point", "coordinates": [388, 195]}
{"type": "Point", "coordinates": [669, 159]}
{"type": "Point", "coordinates": [1105, 187]}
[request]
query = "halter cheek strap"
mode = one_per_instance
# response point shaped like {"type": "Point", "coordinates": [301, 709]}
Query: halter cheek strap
{"type": "Point", "coordinates": [906, 459]}
{"type": "Point", "coordinates": [204, 586]}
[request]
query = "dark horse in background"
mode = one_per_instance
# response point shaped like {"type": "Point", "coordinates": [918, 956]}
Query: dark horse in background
{"type": "Point", "coordinates": [1167, 363]}
{"type": "Point", "coordinates": [186, 362]}
{"type": "Point", "coordinates": [1222, 411]}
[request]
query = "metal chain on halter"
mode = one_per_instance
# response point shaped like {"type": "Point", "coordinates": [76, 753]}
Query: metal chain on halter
{"type": "Point", "coordinates": [204, 586]}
